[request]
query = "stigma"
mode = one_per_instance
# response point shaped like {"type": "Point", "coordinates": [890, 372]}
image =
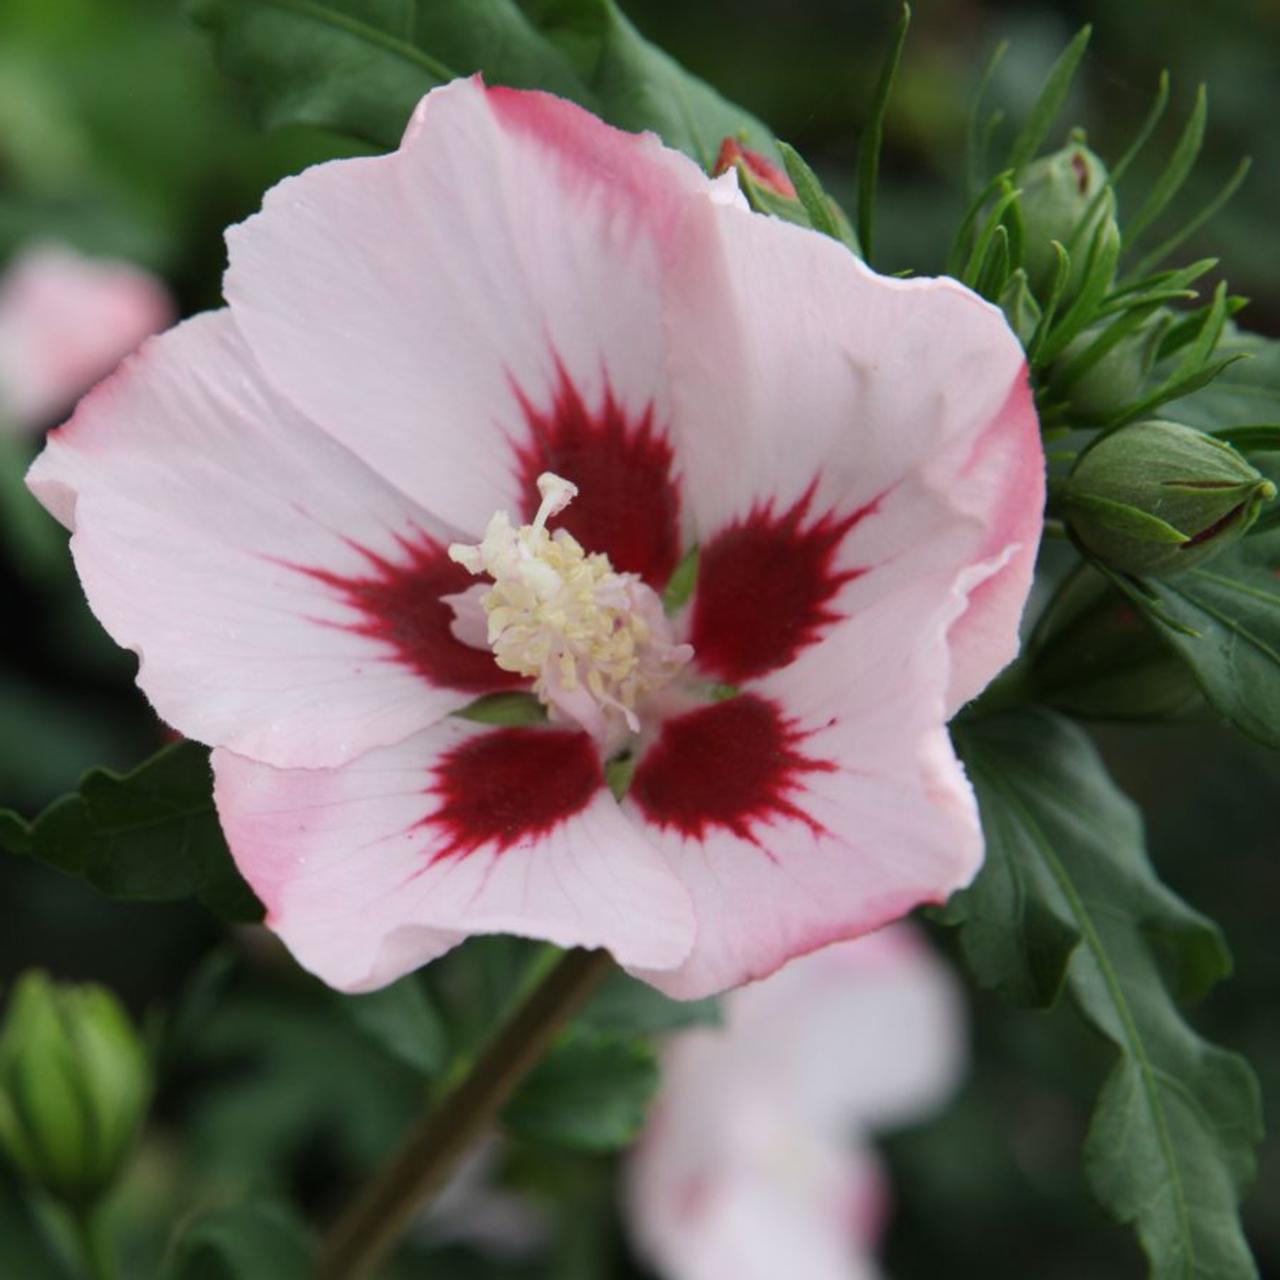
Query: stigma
{"type": "Point", "coordinates": [595, 642]}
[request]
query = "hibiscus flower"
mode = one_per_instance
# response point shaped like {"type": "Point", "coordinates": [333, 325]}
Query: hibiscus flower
{"type": "Point", "coordinates": [756, 1159]}
{"type": "Point", "coordinates": [471, 408]}
{"type": "Point", "coordinates": [65, 321]}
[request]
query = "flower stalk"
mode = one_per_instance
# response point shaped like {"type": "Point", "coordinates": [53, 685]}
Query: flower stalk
{"type": "Point", "coordinates": [376, 1219]}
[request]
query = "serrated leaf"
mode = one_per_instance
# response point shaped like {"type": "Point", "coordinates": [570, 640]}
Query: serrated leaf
{"type": "Point", "coordinates": [360, 66]}
{"type": "Point", "coordinates": [247, 1242]}
{"type": "Point", "coordinates": [1223, 620]}
{"type": "Point", "coordinates": [150, 835]}
{"type": "Point", "coordinates": [402, 1021]}
{"type": "Point", "coordinates": [1170, 1147]}
{"type": "Point", "coordinates": [589, 1093]}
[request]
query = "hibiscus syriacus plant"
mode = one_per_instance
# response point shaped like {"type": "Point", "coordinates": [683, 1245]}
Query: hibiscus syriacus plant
{"type": "Point", "coordinates": [563, 533]}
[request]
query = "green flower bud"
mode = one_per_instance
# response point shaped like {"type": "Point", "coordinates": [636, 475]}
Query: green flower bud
{"type": "Point", "coordinates": [74, 1087]}
{"type": "Point", "coordinates": [1159, 498]}
{"type": "Point", "coordinates": [1113, 382]}
{"type": "Point", "coordinates": [1057, 191]}
{"type": "Point", "coordinates": [1020, 307]}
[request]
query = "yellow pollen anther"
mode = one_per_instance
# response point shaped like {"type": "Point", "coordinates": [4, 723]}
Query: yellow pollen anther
{"type": "Point", "coordinates": [594, 641]}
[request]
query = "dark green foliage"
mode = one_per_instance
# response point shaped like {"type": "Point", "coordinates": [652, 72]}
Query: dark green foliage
{"type": "Point", "coordinates": [1223, 620]}
{"type": "Point", "coordinates": [151, 834]}
{"type": "Point", "coordinates": [360, 66]}
{"type": "Point", "coordinates": [1067, 899]}
{"type": "Point", "coordinates": [589, 1093]}
{"type": "Point", "coordinates": [248, 1242]}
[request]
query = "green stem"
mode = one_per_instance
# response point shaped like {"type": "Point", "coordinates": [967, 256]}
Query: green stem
{"type": "Point", "coordinates": [93, 1243]}
{"type": "Point", "coordinates": [379, 1215]}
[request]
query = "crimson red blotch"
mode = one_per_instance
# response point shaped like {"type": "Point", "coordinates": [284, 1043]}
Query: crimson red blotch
{"type": "Point", "coordinates": [628, 505]}
{"type": "Point", "coordinates": [735, 764]}
{"type": "Point", "coordinates": [510, 787]}
{"type": "Point", "coordinates": [400, 603]}
{"type": "Point", "coordinates": [765, 585]}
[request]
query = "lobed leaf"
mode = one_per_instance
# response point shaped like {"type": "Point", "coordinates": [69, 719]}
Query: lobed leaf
{"type": "Point", "coordinates": [360, 66]}
{"type": "Point", "coordinates": [151, 834]}
{"type": "Point", "coordinates": [1067, 899]}
{"type": "Point", "coordinates": [1223, 620]}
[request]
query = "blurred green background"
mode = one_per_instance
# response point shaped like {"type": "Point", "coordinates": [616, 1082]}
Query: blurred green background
{"type": "Point", "coordinates": [118, 135]}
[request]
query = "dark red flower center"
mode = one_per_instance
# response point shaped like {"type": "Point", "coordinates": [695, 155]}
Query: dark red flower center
{"type": "Point", "coordinates": [628, 505]}
{"type": "Point", "coordinates": [735, 764]}
{"type": "Point", "coordinates": [510, 788]}
{"type": "Point", "coordinates": [766, 586]}
{"type": "Point", "coordinates": [399, 602]}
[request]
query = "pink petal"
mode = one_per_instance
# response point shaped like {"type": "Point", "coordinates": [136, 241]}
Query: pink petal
{"type": "Point", "coordinates": [373, 868]}
{"type": "Point", "coordinates": [483, 304]}
{"type": "Point", "coordinates": [840, 432]}
{"type": "Point", "coordinates": [284, 601]}
{"type": "Point", "coordinates": [820, 805]}
{"type": "Point", "coordinates": [66, 321]}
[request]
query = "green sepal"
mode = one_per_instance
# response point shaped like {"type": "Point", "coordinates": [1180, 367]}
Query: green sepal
{"type": "Point", "coordinates": [873, 135]}
{"type": "Point", "coordinates": [504, 709]}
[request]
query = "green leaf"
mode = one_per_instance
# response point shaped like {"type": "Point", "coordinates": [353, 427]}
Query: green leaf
{"type": "Point", "coordinates": [589, 1093]}
{"type": "Point", "coordinates": [1056, 87]}
{"type": "Point", "coordinates": [402, 1020]}
{"type": "Point", "coordinates": [873, 135]}
{"type": "Point", "coordinates": [626, 1006]}
{"type": "Point", "coordinates": [247, 1242]}
{"type": "Point", "coordinates": [151, 834]}
{"type": "Point", "coordinates": [1223, 620]}
{"type": "Point", "coordinates": [1247, 392]}
{"type": "Point", "coordinates": [360, 66]}
{"type": "Point", "coordinates": [1068, 898]}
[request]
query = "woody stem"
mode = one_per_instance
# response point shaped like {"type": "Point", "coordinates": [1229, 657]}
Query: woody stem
{"type": "Point", "coordinates": [379, 1215]}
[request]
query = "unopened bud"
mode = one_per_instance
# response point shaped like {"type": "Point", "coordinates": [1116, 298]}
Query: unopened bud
{"type": "Point", "coordinates": [1159, 498]}
{"type": "Point", "coordinates": [1057, 193]}
{"type": "Point", "coordinates": [1114, 381]}
{"type": "Point", "coordinates": [1020, 307]}
{"type": "Point", "coordinates": [74, 1087]}
{"type": "Point", "coordinates": [763, 172]}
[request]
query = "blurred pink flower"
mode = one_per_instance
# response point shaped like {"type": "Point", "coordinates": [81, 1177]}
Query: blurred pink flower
{"type": "Point", "coordinates": [296, 511]}
{"type": "Point", "coordinates": [756, 1161]}
{"type": "Point", "coordinates": [65, 321]}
